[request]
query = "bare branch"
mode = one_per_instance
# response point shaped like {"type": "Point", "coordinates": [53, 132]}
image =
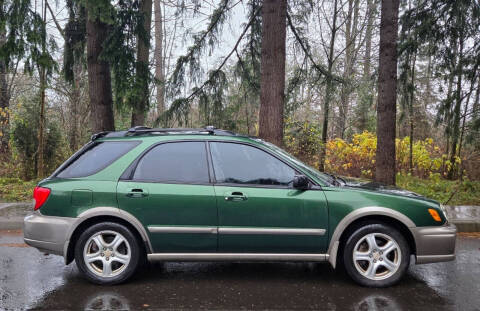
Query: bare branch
{"type": "Point", "coordinates": [318, 67]}
{"type": "Point", "coordinates": [60, 30]}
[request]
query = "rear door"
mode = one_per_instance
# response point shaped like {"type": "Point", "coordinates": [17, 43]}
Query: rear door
{"type": "Point", "coordinates": [258, 209]}
{"type": "Point", "coordinates": [169, 191]}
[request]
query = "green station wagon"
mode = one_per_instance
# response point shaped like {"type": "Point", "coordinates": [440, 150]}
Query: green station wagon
{"type": "Point", "coordinates": [213, 195]}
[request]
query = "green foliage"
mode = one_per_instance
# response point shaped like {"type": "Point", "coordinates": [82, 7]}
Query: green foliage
{"type": "Point", "coordinates": [75, 38]}
{"type": "Point", "coordinates": [25, 35]}
{"type": "Point", "coordinates": [211, 99]}
{"type": "Point", "coordinates": [203, 40]}
{"type": "Point", "coordinates": [24, 140]}
{"type": "Point", "coordinates": [303, 139]}
{"type": "Point", "coordinates": [126, 23]}
{"type": "Point", "coordinates": [357, 158]}
{"type": "Point", "coordinates": [16, 189]}
{"type": "Point", "coordinates": [434, 187]}
{"type": "Point", "coordinates": [211, 93]}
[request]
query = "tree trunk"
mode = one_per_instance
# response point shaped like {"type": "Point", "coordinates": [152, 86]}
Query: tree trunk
{"type": "Point", "coordinates": [367, 89]}
{"type": "Point", "coordinates": [141, 106]}
{"type": "Point", "coordinates": [75, 104]}
{"type": "Point", "coordinates": [457, 109]}
{"type": "Point", "coordinates": [350, 37]}
{"type": "Point", "coordinates": [99, 80]}
{"type": "Point", "coordinates": [387, 93]}
{"type": "Point", "coordinates": [476, 103]}
{"type": "Point", "coordinates": [462, 133]}
{"type": "Point", "coordinates": [272, 87]}
{"type": "Point", "coordinates": [4, 98]}
{"type": "Point", "coordinates": [448, 114]}
{"type": "Point", "coordinates": [329, 90]}
{"type": "Point", "coordinates": [411, 109]}
{"type": "Point", "coordinates": [428, 88]}
{"type": "Point", "coordinates": [159, 62]}
{"type": "Point", "coordinates": [41, 125]}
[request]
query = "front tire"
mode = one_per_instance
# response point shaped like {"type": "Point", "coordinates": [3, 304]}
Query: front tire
{"type": "Point", "coordinates": [376, 255]}
{"type": "Point", "coordinates": [107, 253]}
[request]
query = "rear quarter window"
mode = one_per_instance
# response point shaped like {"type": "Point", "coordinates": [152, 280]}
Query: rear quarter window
{"type": "Point", "coordinates": [97, 157]}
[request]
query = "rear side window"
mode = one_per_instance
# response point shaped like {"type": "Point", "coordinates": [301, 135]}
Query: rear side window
{"type": "Point", "coordinates": [96, 158]}
{"type": "Point", "coordinates": [180, 162]}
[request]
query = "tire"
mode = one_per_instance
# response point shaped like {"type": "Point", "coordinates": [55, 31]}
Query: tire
{"type": "Point", "coordinates": [113, 261]}
{"type": "Point", "coordinates": [382, 256]}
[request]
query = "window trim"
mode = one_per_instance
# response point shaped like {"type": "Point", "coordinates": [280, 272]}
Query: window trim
{"type": "Point", "coordinates": [129, 172]}
{"type": "Point", "coordinates": [88, 147]}
{"type": "Point", "coordinates": [297, 171]}
{"type": "Point", "coordinates": [127, 175]}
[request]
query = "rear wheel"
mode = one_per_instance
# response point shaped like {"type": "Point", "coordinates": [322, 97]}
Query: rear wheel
{"type": "Point", "coordinates": [107, 253]}
{"type": "Point", "coordinates": [376, 255]}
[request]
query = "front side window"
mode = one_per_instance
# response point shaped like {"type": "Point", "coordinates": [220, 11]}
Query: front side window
{"type": "Point", "coordinates": [96, 158]}
{"type": "Point", "coordinates": [180, 162]}
{"type": "Point", "coordinates": [322, 176]}
{"type": "Point", "coordinates": [243, 164]}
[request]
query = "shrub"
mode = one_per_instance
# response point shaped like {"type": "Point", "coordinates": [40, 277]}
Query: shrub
{"type": "Point", "coordinates": [303, 139]}
{"type": "Point", "coordinates": [357, 158]}
{"type": "Point", "coordinates": [24, 141]}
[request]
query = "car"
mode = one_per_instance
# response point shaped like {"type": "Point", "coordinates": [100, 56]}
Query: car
{"type": "Point", "coordinates": [213, 195]}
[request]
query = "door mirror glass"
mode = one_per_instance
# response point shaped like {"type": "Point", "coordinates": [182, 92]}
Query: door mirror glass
{"type": "Point", "coordinates": [300, 182]}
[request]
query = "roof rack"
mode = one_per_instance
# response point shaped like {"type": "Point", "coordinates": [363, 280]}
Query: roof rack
{"type": "Point", "coordinates": [143, 130]}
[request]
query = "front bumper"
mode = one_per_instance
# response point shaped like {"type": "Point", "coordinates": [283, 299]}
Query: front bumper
{"type": "Point", "coordinates": [47, 233]}
{"type": "Point", "coordinates": [435, 244]}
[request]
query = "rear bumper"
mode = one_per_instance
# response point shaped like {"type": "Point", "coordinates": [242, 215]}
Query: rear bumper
{"type": "Point", "coordinates": [47, 233]}
{"type": "Point", "coordinates": [435, 244]}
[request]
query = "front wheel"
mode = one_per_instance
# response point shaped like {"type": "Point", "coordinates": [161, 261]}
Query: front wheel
{"type": "Point", "coordinates": [376, 255]}
{"type": "Point", "coordinates": [107, 253]}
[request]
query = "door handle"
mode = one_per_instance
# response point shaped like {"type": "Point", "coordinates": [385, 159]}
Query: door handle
{"type": "Point", "coordinates": [235, 196]}
{"type": "Point", "coordinates": [136, 193]}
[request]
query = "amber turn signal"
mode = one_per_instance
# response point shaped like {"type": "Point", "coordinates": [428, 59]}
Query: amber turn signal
{"type": "Point", "coordinates": [434, 214]}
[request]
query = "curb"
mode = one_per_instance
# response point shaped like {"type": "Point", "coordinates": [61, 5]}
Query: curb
{"type": "Point", "coordinates": [13, 223]}
{"type": "Point", "coordinates": [466, 225]}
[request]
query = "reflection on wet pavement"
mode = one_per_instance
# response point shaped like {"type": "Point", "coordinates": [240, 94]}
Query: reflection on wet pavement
{"type": "Point", "coordinates": [28, 279]}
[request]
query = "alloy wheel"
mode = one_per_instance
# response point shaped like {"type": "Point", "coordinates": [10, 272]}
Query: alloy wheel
{"type": "Point", "coordinates": [377, 256]}
{"type": "Point", "coordinates": [107, 253]}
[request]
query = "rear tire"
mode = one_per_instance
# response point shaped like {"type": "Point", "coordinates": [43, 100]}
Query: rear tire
{"type": "Point", "coordinates": [107, 253]}
{"type": "Point", "coordinates": [376, 255]}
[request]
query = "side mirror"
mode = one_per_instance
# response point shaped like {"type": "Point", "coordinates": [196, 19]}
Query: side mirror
{"type": "Point", "coordinates": [300, 182]}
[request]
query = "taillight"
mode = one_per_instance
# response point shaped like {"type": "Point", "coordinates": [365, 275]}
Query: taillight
{"type": "Point", "coordinates": [40, 195]}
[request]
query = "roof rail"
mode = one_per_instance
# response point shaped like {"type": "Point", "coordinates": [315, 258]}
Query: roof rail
{"type": "Point", "coordinates": [210, 130]}
{"type": "Point", "coordinates": [108, 134]}
{"type": "Point", "coordinates": [144, 130]}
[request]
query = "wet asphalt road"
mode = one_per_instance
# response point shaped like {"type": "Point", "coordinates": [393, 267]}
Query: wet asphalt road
{"type": "Point", "coordinates": [31, 280]}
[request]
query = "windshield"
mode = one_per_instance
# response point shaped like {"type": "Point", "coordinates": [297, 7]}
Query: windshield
{"type": "Point", "coordinates": [323, 177]}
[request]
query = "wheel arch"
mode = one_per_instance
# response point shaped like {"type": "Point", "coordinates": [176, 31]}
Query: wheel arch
{"type": "Point", "coordinates": [103, 214]}
{"type": "Point", "coordinates": [369, 214]}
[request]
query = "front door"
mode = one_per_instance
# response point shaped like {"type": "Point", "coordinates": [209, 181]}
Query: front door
{"type": "Point", "coordinates": [258, 209]}
{"type": "Point", "coordinates": [170, 193]}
